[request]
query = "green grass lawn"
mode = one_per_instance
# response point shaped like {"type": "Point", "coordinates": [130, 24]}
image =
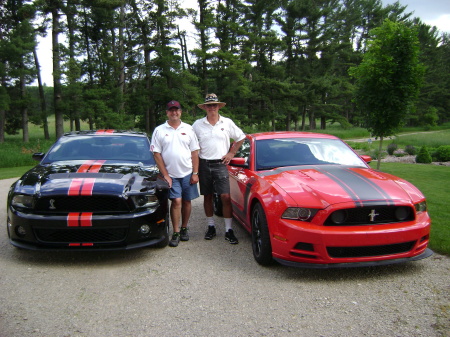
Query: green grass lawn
{"type": "Point", "coordinates": [433, 181]}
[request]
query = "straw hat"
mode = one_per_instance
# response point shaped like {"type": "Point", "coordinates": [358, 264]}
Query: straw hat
{"type": "Point", "coordinates": [211, 99]}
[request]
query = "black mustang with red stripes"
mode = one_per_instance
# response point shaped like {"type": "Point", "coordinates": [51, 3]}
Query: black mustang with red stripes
{"type": "Point", "coordinates": [93, 190]}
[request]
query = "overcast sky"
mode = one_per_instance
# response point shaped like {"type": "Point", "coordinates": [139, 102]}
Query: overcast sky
{"type": "Point", "coordinates": [432, 12]}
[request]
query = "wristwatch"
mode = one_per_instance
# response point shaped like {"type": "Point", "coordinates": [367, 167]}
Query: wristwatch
{"type": "Point", "coordinates": [195, 173]}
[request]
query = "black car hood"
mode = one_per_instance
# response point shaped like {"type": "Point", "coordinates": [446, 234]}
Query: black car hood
{"type": "Point", "coordinates": [89, 178]}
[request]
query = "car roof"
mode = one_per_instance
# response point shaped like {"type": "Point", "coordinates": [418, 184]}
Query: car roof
{"type": "Point", "coordinates": [105, 132]}
{"type": "Point", "coordinates": [290, 134]}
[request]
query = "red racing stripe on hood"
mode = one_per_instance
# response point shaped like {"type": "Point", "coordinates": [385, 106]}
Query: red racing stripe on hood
{"type": "Point", "coordinates": [85, 166]}
{"type": "Point", "coordinates": [75, 186]}
{"type": "Point", "coordinates": [88, 186]}
{"type": "Point", "coordinates": [96, 166]}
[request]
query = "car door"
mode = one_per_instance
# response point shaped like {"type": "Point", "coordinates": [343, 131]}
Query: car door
{"type": "Point", "coordinates": [239, 178]}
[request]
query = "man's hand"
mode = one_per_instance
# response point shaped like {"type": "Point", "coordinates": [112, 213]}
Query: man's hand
{"type": "Point", "coordinates": [227, 158]}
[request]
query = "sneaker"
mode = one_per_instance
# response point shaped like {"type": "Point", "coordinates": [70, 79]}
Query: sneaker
{"type": "Point", "coordinates": [230, 237]}
{"type": "Point", "coordinates": [175, 240]}
{"type": "Point", "coordinates": [184, 235]}
{"type": "Point", "coordinates": [210, 233]}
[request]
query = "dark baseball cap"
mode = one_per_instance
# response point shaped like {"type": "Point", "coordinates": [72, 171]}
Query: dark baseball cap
{"type": "Point", "coordinates": [173, 104]}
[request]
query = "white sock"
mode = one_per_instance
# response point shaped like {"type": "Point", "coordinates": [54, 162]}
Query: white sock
{"type": "Point", "coordinates": [228, 222]}
{"type": "Point", "coordinates": [210, 220]}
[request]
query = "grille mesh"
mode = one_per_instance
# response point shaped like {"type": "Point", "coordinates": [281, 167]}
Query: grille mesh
{"type": "Point", "coordinates": [366, 251]}
{"type": "Point", "coordinates": [68, 235]}
{"type": "Point", "coordinates": [361, 215]}
{"type": "Point", "coordinates": [65, 204]}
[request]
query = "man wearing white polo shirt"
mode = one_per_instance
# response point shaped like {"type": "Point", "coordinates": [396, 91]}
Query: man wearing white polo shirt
{"type": "Point", "coordinates": [214, 133]}
{"type": "Point", "coordinates": [175, 149]}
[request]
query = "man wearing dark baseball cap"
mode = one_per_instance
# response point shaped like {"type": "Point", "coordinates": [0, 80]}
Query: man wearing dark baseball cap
{"type": "Point", "coordinates": [175, 149]}
{"type": "Point", "coordinates": [173, 104]}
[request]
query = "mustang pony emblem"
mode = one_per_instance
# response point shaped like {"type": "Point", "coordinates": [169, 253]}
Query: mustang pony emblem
{"type": "Point", "coordinates": [372, 215]}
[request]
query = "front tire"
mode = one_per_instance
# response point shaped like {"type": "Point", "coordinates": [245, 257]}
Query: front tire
{"type": "Point", "coordinates": [262, 248]}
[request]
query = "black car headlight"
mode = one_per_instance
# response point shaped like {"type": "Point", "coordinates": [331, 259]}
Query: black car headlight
{"type": "Point", "coordinates": [421, 207]}
{"type": "Point", "coordinates": [145, 200]}
{"type": "Point", "coordinates": [299, 213]}
{"type": "Point", "coordinates": [22, 201]}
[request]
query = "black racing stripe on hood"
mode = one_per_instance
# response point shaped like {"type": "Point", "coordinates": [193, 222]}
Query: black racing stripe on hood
{"type": "Point", "coordinates": [385, 195]}
{"type": "Point", "coordinates": [360, 189]}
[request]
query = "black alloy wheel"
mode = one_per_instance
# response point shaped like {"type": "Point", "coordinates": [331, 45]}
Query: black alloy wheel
{"type": "Point", "coordinates": [262, 248]}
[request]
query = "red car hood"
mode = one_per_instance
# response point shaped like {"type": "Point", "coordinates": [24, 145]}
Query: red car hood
{"type": "Point", "coordinates": [321, 186]}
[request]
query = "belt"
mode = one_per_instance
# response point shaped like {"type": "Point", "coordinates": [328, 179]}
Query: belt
{"type": "Point", "coordinates": [211, 160]}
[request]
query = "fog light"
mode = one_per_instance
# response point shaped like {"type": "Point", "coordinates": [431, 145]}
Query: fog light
{"type": "Point", "coordinates": [402, 213]}
{"type": "Point", "coordinates": [339, 217]}
{"type": "Point", "coordinates": [20, 231]}
{"type": "Point", "coordinates": [144, 229]}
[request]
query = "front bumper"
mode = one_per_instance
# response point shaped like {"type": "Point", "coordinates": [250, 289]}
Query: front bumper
{"type": "Point", "coordinates": [86, 231]}
{"type": "Point", "coordinates": [305, 244]}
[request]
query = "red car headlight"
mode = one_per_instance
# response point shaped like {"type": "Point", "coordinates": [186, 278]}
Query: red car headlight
{"type": "Point", "coordinates": [421, 207]}
{"type": "Point", "coordinates": [299, 213]}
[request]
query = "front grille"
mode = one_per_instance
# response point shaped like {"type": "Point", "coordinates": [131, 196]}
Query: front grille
{"type": "Point", "coordinates": [65, 204]}
{"type": "Point", "coordinates": [362, 215]}
{"type": "Point", "coordinates": [68, 235]}
{"type": "Point", "coordinates": [366, 251]}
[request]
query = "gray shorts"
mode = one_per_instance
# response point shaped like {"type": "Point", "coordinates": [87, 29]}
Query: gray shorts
{"type": "Point", "coordinates": [213, 177]}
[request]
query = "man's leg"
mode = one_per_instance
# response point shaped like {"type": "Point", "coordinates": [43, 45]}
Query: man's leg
{"type": "Point", "coordinates": [186, 207]}
{"type": "Point", "coordinates": [175, 214]}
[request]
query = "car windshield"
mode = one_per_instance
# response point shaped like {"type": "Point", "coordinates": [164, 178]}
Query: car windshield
{"type": "Point", "coordinates": [272, 153]}
{"type": "Point", "coordinates": [114, 148]}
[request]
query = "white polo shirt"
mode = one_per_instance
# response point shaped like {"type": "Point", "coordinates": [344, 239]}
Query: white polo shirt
{"type": "Point", "coordinates": [175, 146]}
{"type": "Point", "coordinates": [214, 140]}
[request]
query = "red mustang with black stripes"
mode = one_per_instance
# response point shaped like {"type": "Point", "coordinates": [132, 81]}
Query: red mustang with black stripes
{"type": "Point", "coordinates": [309, 200]}
{"type": "Point", "coordinates": [93, 190]}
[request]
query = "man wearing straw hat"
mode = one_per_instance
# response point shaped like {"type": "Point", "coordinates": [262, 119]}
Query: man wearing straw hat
{"type": "Point", "coordinates": [214, 133]}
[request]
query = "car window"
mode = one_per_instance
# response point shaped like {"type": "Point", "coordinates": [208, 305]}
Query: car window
{"type": "Point", "coordinates": [120, 148]}
{"type": "Point", "coordinates": [244, 151]}
{"type": "Point", "coordinates": [272, 153]}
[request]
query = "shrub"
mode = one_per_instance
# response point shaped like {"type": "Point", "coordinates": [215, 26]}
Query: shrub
{"type": "Point", "coordinates": [411, 150]}
{"type": "Point", "coordinates": [374, 153]}
{"type": "Point", "coordinates": [423, 156]}
{"type": "Point", "coordinates": [443, 153]}
{"type": "Point", "coordinates": [391, 148]}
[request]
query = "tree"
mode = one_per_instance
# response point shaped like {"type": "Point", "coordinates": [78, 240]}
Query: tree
{"type": "Point", "coordinates": [388, 79]}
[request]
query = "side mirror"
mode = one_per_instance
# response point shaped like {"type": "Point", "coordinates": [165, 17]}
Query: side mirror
{"type": "Point", "coordinates": [367, 159]}
{"type": "Point", "coordinates": [38, 156]}
{"type": "Point", "coordinates": [240, 162]}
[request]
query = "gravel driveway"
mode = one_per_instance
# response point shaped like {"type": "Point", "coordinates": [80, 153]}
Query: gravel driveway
{"type": "Point", "coordinates": [212, 288]}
